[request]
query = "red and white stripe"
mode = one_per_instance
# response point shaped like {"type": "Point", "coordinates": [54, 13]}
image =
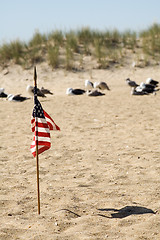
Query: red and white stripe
{"type": "Point", "coordinates": [41, 128]}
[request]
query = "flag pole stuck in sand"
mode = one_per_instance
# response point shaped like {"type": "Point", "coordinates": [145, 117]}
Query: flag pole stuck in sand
{"type": "Point", "coordinates": [37, 158]}
{"type": "Point", "coordinates": [41, 124]}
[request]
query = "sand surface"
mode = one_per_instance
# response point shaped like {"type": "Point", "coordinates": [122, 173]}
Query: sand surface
{"type": "Point", "coordinates": [106, 157]}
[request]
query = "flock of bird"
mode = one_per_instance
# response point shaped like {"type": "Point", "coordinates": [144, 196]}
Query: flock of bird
{"type": "Point", "coordinates": [150, 86]}
{"type": "Point", "coordinates": [19, 98]}
{"type": "Point", "coordinates": [90, 89]}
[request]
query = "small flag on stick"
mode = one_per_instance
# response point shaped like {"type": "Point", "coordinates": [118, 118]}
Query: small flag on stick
{"type": "Point", "coordinates": [41, 124]}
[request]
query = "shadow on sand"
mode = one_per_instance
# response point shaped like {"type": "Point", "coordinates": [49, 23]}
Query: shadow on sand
{"type": "Point", "coordinates": [125, 211]}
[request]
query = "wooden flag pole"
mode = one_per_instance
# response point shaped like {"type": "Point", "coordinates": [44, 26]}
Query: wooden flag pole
{"type": "Point", "coordinates": [37, 159]}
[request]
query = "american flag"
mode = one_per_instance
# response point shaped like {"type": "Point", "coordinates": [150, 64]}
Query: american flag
{"type": "Point", "coordinates": [41, 124]}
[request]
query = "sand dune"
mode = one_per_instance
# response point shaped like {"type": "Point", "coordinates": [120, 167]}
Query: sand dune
{"type": "Point", "coordinates": [105, 158]}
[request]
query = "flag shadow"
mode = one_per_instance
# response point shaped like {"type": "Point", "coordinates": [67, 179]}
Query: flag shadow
{"type": "Point", "coordinates": [125, 211]}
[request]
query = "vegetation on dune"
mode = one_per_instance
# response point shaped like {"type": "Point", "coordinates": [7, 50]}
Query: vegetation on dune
{"type": "Point", "coordinates": [68, 49]}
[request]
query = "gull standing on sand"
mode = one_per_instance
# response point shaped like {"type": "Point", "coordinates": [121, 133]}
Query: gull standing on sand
{"type": "Point", "coordinates": [30, 90]}
{"type": "Point", "coordinates": [131, 83]}
{"type": "Point", "coordinates": [88, 85]}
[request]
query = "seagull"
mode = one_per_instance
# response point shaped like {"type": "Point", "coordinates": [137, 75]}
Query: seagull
{"type": "Point", "coordinates": [16, 98]}
{"type": "Point", "coordinates": [30, 90]}
{"type": "Point", "coordinates": [95, 93]}
{"type": "Point", "coordinates": [101, 85]}
{"type": "Point", "coordinates": [88, 85]}
{"type": "Point", "coordinates": [149, 88]}
{"type": "Point", "coordinates": [2, 93]}
{"type": "Point", "coordinates": [152, 82]}
{"type": "Point", "coordinates": [131, 83]}
{"type": "Point", "coordinates": [144, 89]}
{"type": "Point", "coordinates": [138, 91]}
{"type": "Point", "coordinates": [46, 91]}
{"type": "Point", "coordinates": [77, 91]}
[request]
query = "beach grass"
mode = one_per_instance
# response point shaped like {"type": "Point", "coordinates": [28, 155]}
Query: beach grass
{"type": "Point", "coordinates": [53, 56]}
{"type": "Point", "coordinates": [108, 48]}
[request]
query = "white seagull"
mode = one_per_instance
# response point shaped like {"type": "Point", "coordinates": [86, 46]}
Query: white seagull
{"type": "Point", "coordinates": [149, 88]}
{"type": "Point", "coordinates": [138, 91]}
{"type": "Point", "coordinates": [2, 93]}
{"type": "Point", "coordinates": [88, 85]}
{"type": "Point", "coordinates": [152, 82]}
{"type": "Point", "coordinates": [16, 98]}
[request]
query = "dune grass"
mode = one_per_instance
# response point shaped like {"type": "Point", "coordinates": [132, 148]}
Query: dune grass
{"type": "Point", "coordinates": [13, 51]}
{"type": "Point", "coordinates": [62, 49]}
{"type": "Point", "coordinates": [151, 41]}
{"type": "Point", "coordinates": [53, 56]}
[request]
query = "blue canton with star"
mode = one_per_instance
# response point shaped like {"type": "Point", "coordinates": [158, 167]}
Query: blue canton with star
{"type": "Point", "coordinates": [38, 110]}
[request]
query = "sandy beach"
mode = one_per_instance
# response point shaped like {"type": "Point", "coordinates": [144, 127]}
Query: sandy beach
{"type": "Point", "coordinates": [101, 177]}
